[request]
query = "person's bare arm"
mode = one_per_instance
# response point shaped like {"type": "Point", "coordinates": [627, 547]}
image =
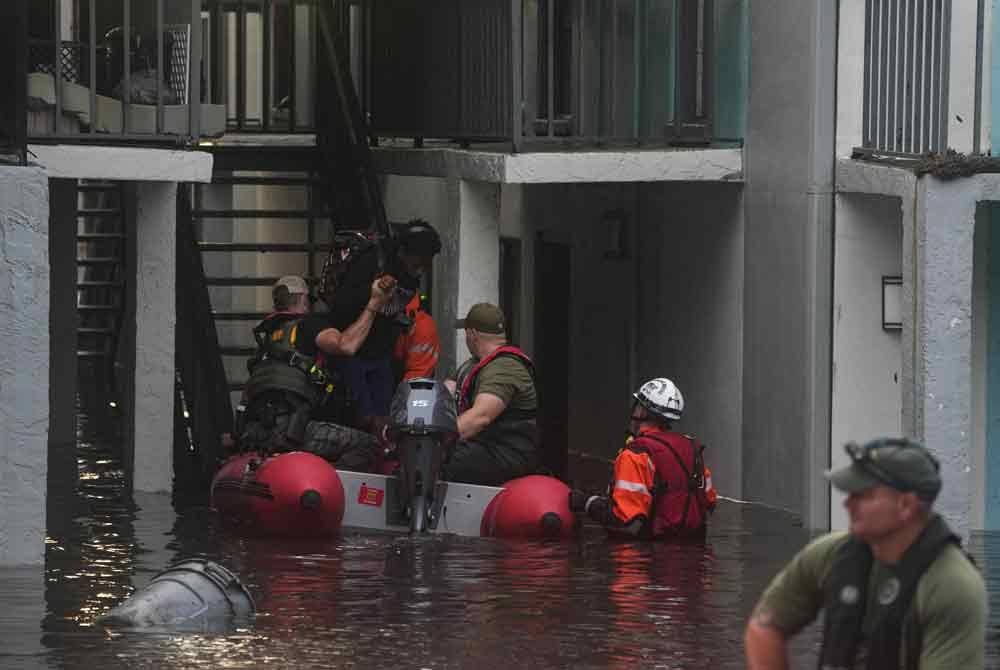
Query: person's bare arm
{"type": "Point", "coordinates": [766, 645]}
{"type": "Point", "coordinates": [486, 408]}
{"type": "Point", "coordinates": [348, 341]}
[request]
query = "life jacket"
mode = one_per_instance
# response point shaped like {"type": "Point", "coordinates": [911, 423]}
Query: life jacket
{"type": "Point", "coordinates": [846, 600]}
{"type": "Point", "coordinates": [282, 380]}
{"type": "Point", "coordinates": [514, 427]}
{"type": "Point", "coordinates": [677, 510]}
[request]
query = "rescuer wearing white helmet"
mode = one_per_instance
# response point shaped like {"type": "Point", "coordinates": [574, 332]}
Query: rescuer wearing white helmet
{"type": "Point", "coordinates": [661, 487]}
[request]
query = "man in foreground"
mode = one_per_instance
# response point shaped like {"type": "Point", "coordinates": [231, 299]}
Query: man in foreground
{"type": "Point", "coordinates": [896, 589]}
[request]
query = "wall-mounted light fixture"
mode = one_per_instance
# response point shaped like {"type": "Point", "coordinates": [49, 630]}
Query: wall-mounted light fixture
{"type": "Point", "coordinates": [615, 234]}
{"type": "Point", "coordinates": [892, 303]}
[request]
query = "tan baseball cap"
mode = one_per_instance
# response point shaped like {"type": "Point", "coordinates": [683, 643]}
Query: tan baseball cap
{"type": "Point", "coordinates": [484, 317]}
{"type": "Point", "coordinates": [293, 283]}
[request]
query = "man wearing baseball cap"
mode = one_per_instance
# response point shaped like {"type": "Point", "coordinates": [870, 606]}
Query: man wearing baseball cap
{"type": "Point", "coordinates": [896, 589]}
{"type": "Point", "coordinates": [497, 404]}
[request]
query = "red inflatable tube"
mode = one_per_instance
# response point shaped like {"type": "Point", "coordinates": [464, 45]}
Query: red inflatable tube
{"type": "Point", "coordinates": [531, 507]}
{"type": "Point", "coordinates": [295, 494]}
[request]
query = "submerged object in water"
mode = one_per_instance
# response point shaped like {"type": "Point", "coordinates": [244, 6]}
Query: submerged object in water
{"type": "Point", "coordinates": [196, 595]}
{"type": "Point", "coordinates": [296, 493]}
{"type": "Point", "coordinates": [530, 507]}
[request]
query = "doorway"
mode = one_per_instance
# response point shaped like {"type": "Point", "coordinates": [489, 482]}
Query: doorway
{"type": "Point", "coordinates": [552, 339]}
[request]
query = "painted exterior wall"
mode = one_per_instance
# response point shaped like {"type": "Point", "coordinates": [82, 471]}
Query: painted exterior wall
{"type": "Point", "coordinates": [788, 256]}
{"type": "Point", "coordinates": [24, 363]}
{"type": "Point", "coordinates": [867, 362]}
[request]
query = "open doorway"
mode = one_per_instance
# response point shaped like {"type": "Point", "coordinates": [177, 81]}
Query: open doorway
{"type": "Point", "coordinates": [552, 338]}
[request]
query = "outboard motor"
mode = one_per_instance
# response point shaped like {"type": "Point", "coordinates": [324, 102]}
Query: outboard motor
{"type": "Point", "coordinates": [422, 424]}
{"type": "Point", "coordinates": [194, 595]}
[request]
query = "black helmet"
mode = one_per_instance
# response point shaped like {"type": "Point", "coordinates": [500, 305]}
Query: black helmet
{"type": "Point", "coordinates": [417, 237]}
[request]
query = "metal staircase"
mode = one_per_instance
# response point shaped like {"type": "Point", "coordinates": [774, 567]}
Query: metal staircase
{"type": "Point", "coordinates": [270, 211]}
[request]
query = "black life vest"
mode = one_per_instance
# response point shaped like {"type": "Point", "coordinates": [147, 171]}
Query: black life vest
{"type": "Point", "coordinates": [285, 381]}
{"type": "Point", "coordinates": [846, 601]}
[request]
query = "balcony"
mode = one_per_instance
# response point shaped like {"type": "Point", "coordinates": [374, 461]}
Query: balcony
{"type": "Point", "coordinates": [553, 73]}
{"type": "Point", "coordinates": [117, 71]}
{"type": "Point", "coordinates": [923, 84]}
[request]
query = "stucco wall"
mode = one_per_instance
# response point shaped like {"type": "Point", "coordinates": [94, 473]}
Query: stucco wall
{"type": "Point", "coordinates": [24, 363]}
{"type": "Point", "coordinates": [155, 319]}
{"type": "Point", "coordinates": [866, 359]}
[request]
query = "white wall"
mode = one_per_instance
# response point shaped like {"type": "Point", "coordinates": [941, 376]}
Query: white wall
{"type": "Point", "coordinates": [867, 401]}
{"type": "Point", "coordinates": [156, 319]}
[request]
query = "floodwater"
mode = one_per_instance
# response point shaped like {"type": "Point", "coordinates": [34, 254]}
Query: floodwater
{"type": "Point", "coordinates": [367, 600]}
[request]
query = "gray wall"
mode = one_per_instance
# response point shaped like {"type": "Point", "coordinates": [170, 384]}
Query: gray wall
{"type": "Point", "coordinates": [24, 363]}
{"type": "Point", "coordinates": [672, 307]}
{"type": "Point", "coordinates": [788, 168]}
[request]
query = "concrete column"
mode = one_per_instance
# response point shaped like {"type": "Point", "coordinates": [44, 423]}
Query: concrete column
{"type": "Point", "coordinates": [63, 322]}
{"type": "Point", "coordinates": [945, 224]}
{"type": "Point", "coordinates": [155, 318]}
{"type": "Point", "coordinates": [24, 363]}
{"type": "Point", "coordinates": [478, 251]}
{"type": "Point", "coordinates": [788, 256]}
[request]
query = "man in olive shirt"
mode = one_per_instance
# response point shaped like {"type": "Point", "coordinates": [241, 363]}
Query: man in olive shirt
{"type": "Point", "coordinates": [897, 590]}
{"type": "Point", "coordinates": [497, 405]}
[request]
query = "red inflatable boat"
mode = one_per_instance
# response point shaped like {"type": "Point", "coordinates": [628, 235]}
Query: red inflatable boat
{"type": "Point", "coordinates": [299, 494]}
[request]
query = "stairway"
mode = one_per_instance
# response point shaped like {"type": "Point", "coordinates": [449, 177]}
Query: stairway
{"type": "Point", "coordinates": [101, 253]}
{"type": "Point", "coordinates": [272, 228]}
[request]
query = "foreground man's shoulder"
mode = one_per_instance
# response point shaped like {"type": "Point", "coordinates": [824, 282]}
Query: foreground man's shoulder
{"type": "Point", "coordinates": [952, 580]}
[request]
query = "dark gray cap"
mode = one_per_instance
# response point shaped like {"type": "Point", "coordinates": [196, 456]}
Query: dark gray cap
{"type": "Point", "coordinates": [899, 463]}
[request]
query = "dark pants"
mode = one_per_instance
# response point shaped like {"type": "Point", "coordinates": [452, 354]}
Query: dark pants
{"type": "Point", "coordinates": [489, 465]}
{"type": "Point", "coordinates": [347, 448]}
{"type": "Point", "coordinates": [371, 383]}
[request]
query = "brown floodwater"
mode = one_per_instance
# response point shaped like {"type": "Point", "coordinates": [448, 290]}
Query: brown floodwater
{"type": "Point", "coordinates": [367, 600]}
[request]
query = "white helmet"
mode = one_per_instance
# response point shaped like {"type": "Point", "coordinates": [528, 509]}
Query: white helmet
{"type": "Point", "coordinates": [661, 397]}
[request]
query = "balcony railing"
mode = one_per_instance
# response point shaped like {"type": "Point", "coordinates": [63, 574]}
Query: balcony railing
{"type": "Point", "coordinates": [539, 71]}
{"type": "Point", "coordinates": [117, 71]}
{"type": "Point", "coordinates": [261, 63]}
{"type": "Point", "coordinates": [913, 50]}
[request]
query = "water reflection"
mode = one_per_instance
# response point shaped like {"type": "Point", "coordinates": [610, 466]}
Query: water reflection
{"type": "Point", "coordinates": [377, 600]}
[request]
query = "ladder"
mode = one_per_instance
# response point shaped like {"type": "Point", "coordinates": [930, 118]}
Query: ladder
{"type": "Point", "coordinates": [100, 285]}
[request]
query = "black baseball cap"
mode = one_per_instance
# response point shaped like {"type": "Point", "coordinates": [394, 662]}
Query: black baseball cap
{"type": "Point", "coordinates": [898, 463]}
